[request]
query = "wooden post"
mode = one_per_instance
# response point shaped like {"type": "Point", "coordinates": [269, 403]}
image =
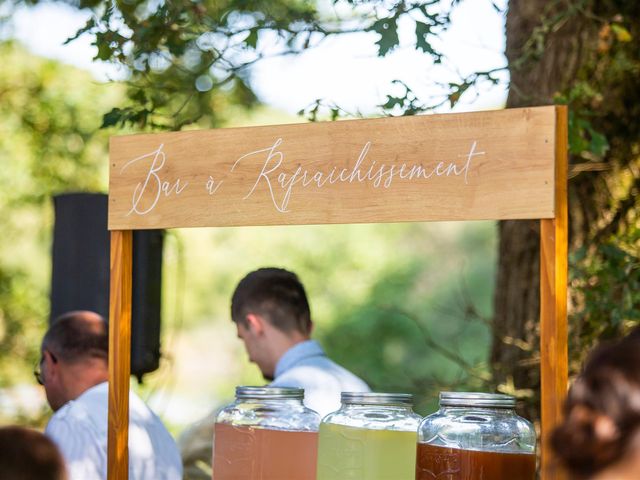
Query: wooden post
{"type": "Point", "coordinates": [553, 304]}
{"type": "Point", "coordinates": [119, 354]}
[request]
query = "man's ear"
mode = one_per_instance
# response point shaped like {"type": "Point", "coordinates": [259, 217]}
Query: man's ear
{"type": "Point", "coordinates": [51, 362]}
{"type": "Point", "coordinates": [255, 323]}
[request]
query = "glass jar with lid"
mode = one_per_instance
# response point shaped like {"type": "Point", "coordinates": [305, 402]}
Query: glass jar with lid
{"type": "Point", "coordinates": [476, 436]}
{"type": "Point", "coordinates": [266, 434]}
{"type": "Point", "coordinates": [372, 436]}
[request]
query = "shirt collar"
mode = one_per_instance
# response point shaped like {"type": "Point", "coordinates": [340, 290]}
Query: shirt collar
{"type": "Point", "coordinates": [90, 394]}
{"type": "Point", "coordinates": [297, 353]}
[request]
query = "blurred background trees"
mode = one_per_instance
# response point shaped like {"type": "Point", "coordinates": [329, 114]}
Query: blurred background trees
{"type": "Point", "coordinates": [50, 142]}
{"type": "Point", "coordinates": [584, 54]}
{"type": "Point", "coordinates": [189, 65]}
{"type": "Point", "coordinates": [396, 290]}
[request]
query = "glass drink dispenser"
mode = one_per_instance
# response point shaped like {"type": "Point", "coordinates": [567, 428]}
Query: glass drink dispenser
{"type": "Point", "coordinates": [476, 436]}
{"type": "Point", "coordinates": [372, 436]}
{"type": "Point", "coordinates": [266, 434]}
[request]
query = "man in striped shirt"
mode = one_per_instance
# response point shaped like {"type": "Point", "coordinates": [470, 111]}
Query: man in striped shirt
{"type": "Point", "coordinates": [74, 372]}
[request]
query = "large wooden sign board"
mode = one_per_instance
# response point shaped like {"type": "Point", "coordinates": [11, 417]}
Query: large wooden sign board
{"type": "Point", "coordinates": [507, 164]}
{"type": "Point", "coordinates": [445, 167]}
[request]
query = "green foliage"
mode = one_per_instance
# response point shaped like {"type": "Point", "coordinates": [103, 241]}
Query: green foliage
{"type": "Point", "coordinates": [120, 117]}
{"type": "Point", "coordinates": [598, 106]}
{"type": "Point", "coordinates": [423, 324]}
{"type": "Point", "coordinates": [621, 33]}
{"type": "Point", "coordinates": [403, 305]}
{"type": "Point", "coordinates": [387, 28]}
{"type": "Point", "coordinates": [408, 103]}
{"type": "Point", "coordinates": [20, 319]}
{"type": "Point", "coordinates": [605, 279]}
{"type": "Point", "coordinates": [188, 61]}
{"type": "Point", "coordinates": [584, 140]}
{"type": "Point", "coordinates": [48, 145]}
{"type": "Point", "coordinates": [603, 135]}
{"type": "Point", "coordinates": [423, 30]}
{"type": "Point", "coordinates": [53, 114]}
{"type": "Point", "coordinates": [430, 19]}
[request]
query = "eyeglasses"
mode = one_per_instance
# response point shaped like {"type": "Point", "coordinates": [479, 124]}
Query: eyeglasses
{"type": "Point", "coordinates": [37, 371]}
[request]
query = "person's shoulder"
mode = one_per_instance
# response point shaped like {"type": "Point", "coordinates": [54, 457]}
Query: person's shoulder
{"type": "Point", "coordinates": [75, 432]}
{"type": "Point", "coordinates": [294, 377]}
{"type": "Point", "coordinates": [76, 419]}
{"type": "Point", "coordinates": [141, 415]}
{"type": "Point", "coordinates": [324, 365]}
{"type": "Point", "coordinates": [85, 416]}
{"type": "Point", "coordinates": [138, 403]}
{"type": "Point", "coordinates": [73, 412]}
{"type": "Point", "coordinates": [304, 376]}
{"type": "Point", "coordinates": [60, 418]}
{"type": "Point", "coordinates": [151, 445]}
{"type": "Point", "coordinates": [141, 412]}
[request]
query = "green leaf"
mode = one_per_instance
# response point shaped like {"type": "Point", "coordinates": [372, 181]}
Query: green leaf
{"type": "Point", "coordinates": [424, 8]}
{"type": "Point", "coordinates": [139, 96]}
{"type": "Point", "coordinates": [622, 34]}
{"type": "Point", "coordinates": [422, 32]}
{"type": "Point", "coordinates": [387, 28]}
{"type": "Point", "coordinates": [104, 50]}
{"type": "Point", "coordinates": [88, 26]}
{"type": "Point", "coordinates": [252, 38]}
{"type": "Point", "coordinates": [457, 91]}
{"type": "Point", "coordinates": [577, 142]}
{"type": "Point", "coordinates": [112, 118]}
{"type": "Point", "coordinates": [392, 102]}
{"type": "Point", "coordinates": [584, 138]}
{"type": "Point", "coordinates": [599, 144]}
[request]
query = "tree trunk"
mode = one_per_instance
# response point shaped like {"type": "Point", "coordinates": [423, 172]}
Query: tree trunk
{"type": "Point", "coordinates": [535, 79]}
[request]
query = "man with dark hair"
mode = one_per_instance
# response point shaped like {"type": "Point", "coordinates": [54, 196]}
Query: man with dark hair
{"type": "Point", "coordinates": [273, 319]}
{"type": "Point", "coordinates": [74, 372]}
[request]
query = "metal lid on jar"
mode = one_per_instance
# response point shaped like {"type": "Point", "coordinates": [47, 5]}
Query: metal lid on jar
{"type": "Point", "coordinates": [269, 393]}
{"type": "Point", "coordinates": [371, 398]}
{"type": "Point", "coordinates": [476, 399]}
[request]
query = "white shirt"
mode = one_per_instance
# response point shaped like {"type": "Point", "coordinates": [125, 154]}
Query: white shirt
{"type": "Point", "coordinates": [305, 365]}
{"type": "Point", "coordinates": [79, 429]}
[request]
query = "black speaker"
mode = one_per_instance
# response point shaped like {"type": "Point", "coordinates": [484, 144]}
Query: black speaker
{"type": "Point", "coordinates": [80, 273]}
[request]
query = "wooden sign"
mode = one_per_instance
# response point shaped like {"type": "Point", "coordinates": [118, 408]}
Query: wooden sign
{"type": "Point", "coordinates": [472, 166]}
{"type": "Point", "coordinates": [508, 164]}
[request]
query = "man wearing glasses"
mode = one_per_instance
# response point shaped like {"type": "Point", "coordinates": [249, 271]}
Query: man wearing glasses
{"type": "Point", "coordinates": [74, 371]}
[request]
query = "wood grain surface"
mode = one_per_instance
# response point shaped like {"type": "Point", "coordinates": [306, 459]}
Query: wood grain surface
{"type": "Point", "coordinates": [554, 352]}
{"type": "Point", "coordinates": [470, 166]}
{"type": "Point", "coordinates": [119, 354]}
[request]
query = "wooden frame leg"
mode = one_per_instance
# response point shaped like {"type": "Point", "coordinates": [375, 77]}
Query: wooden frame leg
{"type": "Point", "coordinates": [554, 363]}
{"type": "Point", "coordinates": [119, 354]}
